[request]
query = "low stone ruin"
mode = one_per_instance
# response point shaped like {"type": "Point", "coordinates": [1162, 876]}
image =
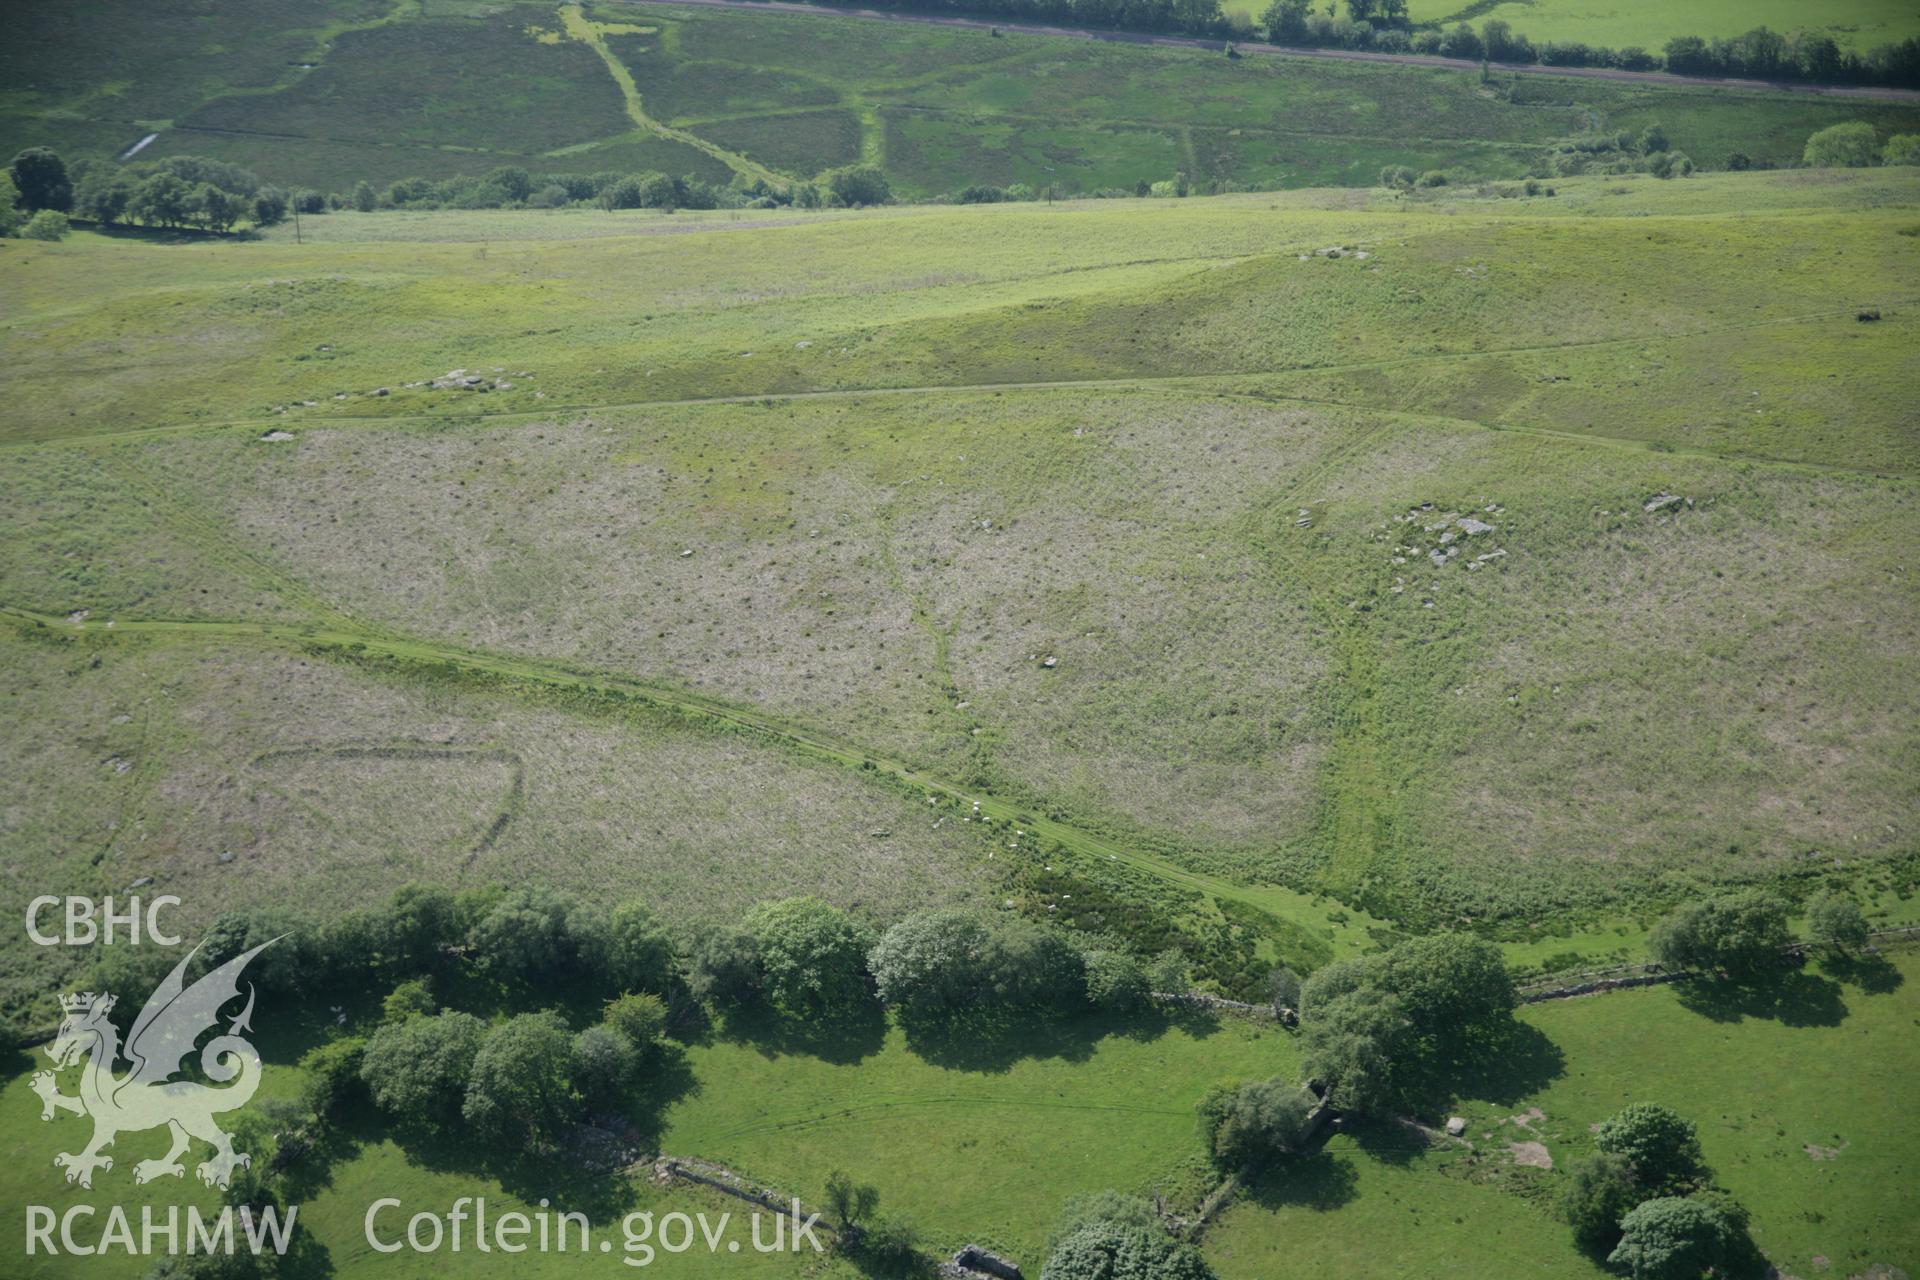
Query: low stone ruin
{"type": "Point", "coordinates": [972, 1260]}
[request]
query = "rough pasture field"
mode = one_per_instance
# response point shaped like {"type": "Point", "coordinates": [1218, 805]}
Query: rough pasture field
{"type": "Point", "coordinates": [247, 777]}
{"type": "Point", "coordinates": [1253, 553]}
{"type": "Point", "coordinates": [325, 95]}
{"type": "Point", "coordinates": [1855, 24]}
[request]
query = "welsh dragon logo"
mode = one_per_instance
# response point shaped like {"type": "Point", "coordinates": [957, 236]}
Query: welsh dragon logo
{"type": "Point", "coordinates": [146, 1096]}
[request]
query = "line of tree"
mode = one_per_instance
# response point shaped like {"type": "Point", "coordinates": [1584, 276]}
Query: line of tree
{"type": "Point", "coordinates": [511, 187]}
{"type": "Point", "coordinates": [801, 961]}
{"type": "Point", "coordinates": [195, 192]}
{"type": "Point", "coordinates": [177, 192]}
{"type": "Point", "coordinates": [1383, 26]}
{"type": "Point", "coordinates": [198, 193]}
{"type": "Point", "coordinates": [1745, 936]}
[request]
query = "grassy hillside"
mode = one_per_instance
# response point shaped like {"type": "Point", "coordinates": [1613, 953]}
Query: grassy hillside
{"type": "Point", "coordinates": [1855, 24]}
{"type": "Point", "coordinates": [846, 483]}
{"type": "Point", "coordinates": [325, 96]}
{"type": "Point", "coordinates": [247, 777]}
{"type": "Point", "coordinates": [1265, 577]}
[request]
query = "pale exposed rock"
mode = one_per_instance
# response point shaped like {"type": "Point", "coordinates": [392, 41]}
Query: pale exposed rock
{"type": "Point", "coordinates": [1532, 1154]}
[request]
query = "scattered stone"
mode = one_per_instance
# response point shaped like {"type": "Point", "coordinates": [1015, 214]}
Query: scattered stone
{"type": "Point", "coordinates": [1532, 1154]}
{"type": "Point", "coordinates": [601, 1150]}
{"type": "Point", "coordinates": [141, 883]}
{"type": "Point", "coordinates": [1050, 661]}
{"type": "Point", "coordinates": [78, 616]}
{"type": "Point", "coordinates": [686, 553]}
{"type": "Point", "coordinates": [276, 437]}
{"type": "Point", "coordinates": [226, 855]}
{"type": "Point", "coordinates": [119, 765]}
{"type": "Point", "coordinates": [383, 391]}
{"type": "Point", "coordinates": [1471, 527]}
{"type": "Point", "coordinates": [1661, 501]}
{"type": "Point", "coordinates": [972, 1259]}
{"type": "Point", "coordinates": [1456, 1126]}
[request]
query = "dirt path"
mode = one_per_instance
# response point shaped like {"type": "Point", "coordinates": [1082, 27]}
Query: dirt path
{"type": "Point", "coordinates": [1348, 55]}
{"type": "Point", "coordinates": [583, 29]}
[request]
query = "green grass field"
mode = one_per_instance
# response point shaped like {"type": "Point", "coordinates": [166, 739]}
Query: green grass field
{"type": "Point", "coordinates": [1797, 1098]}
{"type": "Point", "coordinates": [1855, 24]}
{"type": "Point", "coordinates": [1003, 1134]}
{"type": "Point", "coordinates": [325, 97]}
{"type": "Point", "coordinates": [1797, 1107]}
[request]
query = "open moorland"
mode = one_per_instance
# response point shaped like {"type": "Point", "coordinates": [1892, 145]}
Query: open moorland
{"type": "Point", "coordinates": [1269, 569]}
{"type": "Point", "coordinates": [603, 634]}
{"type": "Point", "coordinates": [329, 93]}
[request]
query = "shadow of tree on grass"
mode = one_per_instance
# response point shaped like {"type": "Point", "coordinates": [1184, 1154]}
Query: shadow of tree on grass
{"type": "Point", "coordinates": [993, 1040]}
{"type": "Point", "coordinates": [1320, 1182]}
{"type": "Point", "coordinates": [1875, 975]}
{"type": "Point", "coordinates": [1793, 999]}
{"type": "Point", "coordinates": [845, 1037]}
